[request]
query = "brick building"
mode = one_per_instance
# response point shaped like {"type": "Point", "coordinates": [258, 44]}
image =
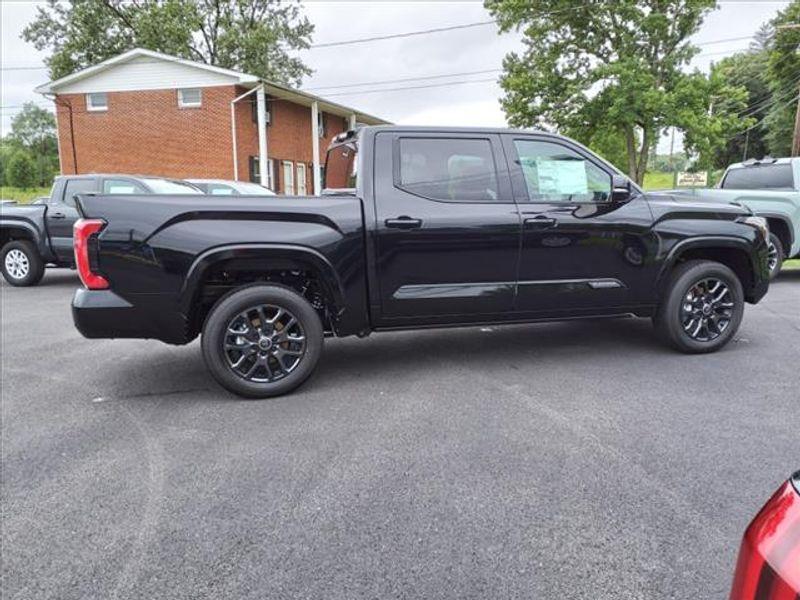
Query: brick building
{"type": "Point", "coordinates": [148, 113]}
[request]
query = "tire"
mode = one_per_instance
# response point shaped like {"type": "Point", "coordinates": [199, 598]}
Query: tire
{"type": "Point", "coordinates": [21, 264]}
{"type": "Point", "coordinates": [678, 318]}
{"type": "Point", "coordinates": [234, 335]}
{"type": "Point", "coordinates": [776, 254]}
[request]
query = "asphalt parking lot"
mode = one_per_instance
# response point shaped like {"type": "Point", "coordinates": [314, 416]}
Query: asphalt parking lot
{"type": "Point", "coordinates": [568, 460]}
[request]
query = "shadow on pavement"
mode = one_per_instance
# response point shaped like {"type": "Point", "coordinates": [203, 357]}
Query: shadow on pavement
{"type": "Point", "coordinates": [53, 278]}
{"type": "Point", "coordinates": [786, 276]}
{"type": "Point", "coordinates": [505, 346]}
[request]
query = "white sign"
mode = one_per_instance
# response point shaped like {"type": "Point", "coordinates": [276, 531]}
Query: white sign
{"type": "Point", "coordinates": [561, 176]}
{"type": "Point", "coordinates": [692, 179]}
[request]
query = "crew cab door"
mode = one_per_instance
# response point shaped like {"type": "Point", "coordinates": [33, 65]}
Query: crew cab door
{"type": "Point", "coordinates": [582, 251]}
{"type": "Point", "coordinates": [62, 214]}
{"type": "Point", "coordinates": [447, 228]}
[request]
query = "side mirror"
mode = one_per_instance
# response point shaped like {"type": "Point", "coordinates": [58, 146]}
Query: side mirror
{"type": "Point", "coordinates": [620, 188]}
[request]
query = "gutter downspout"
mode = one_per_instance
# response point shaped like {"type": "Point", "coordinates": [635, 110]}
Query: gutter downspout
{"type": "Point", "coordinates": [315, 146]}
{"type": "Point", "coordinates": [56, 100]}
{"type": "Point", "coordinates": [261, 131]}
{"type": "Point", "coordinates": [261, 108]}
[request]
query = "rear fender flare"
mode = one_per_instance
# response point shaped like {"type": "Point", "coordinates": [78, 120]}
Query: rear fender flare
{"type": "Point", "coordinates": [288, 256]}
{"type": "Point", "coordinates": [785, 220]}
{"type": "Point", "coordinates": [34, 234]}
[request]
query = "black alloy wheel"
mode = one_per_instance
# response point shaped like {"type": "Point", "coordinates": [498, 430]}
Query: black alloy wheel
{"type": "Point", "coordinates": [262, 340]}
{"type": "Point", "coordinates": [264, 343]}
{"type": "Point", "coordinates": [707, 310]}
{"type": "Point", "coordinates": [701, 308]}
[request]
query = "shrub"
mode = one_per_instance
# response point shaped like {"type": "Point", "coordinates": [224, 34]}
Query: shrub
{"type": "Point", "coordinates": [21, 170]}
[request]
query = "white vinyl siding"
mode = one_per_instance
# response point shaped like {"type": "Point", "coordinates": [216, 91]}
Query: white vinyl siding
{"type": "Point", "coordinates": [97, 101]}
{"type": "Point", "coordinates": [301, 179]}
{"type": "Point", "coordinates": [288, 178]}
{"type": "Point", "coordinates": [190, 98]}
{"type": "Point", "coordinates": [146, 73]}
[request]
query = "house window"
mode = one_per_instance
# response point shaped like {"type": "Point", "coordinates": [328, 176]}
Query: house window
{"type": "Point", "coordinates": [190, 98]}
{"type": "Point", "coordinates": [97, 101]}
{"type": "Point", "coordinates": [255, 172]}
{"type": "Point", "coordinates": [255, 175]}
{"type": "Point", "coordinates": [301, 179]}
{"type": "Point", "coordinates": [321, 123]}
{"type": "Point", "coordinates": [271, 175]}
{"type": "Point", "coordinates": [288, 178]}
{"type": "Point", "coordinates": [254, 109]}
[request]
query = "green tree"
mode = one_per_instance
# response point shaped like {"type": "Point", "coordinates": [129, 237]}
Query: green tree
{"type": "Point", "coordinates": [34, 130]}
{"type": "Point", "coordinates": [21, 170]}
{"type": "Point", "coordinates": [747, 70]}
{"type": "Point", "coordinates": [615, 66]}
{"type": "Point", "coordinates": [7, 148]}
{"type": "Point", "coordinates": [254, 36]}
{"type": "Point", "coordinates": [784, 81]}
{"type": "Point", "coordinates": [606, 142]}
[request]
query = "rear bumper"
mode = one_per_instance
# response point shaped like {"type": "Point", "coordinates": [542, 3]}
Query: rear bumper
{"type": "Point", "coordinates": [104, 314]}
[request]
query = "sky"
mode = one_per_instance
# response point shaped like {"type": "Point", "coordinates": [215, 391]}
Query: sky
{"type": "Point", "coordinates": [461, 51]}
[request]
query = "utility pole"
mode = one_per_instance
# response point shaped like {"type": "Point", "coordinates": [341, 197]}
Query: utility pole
{"type": "Point", "coordinates": [796, 136]}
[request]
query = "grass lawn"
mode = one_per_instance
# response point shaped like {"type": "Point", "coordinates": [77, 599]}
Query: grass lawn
{"type": "Point", "coordinates": [792, 264]}
{"type": "Point", "coordinates": [658, 181]}
{"type": "Point", "coordinates": [22, 195]}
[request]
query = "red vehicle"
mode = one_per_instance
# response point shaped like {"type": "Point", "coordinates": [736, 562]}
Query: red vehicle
{"type": "Point", "coordinates": [769, 559]}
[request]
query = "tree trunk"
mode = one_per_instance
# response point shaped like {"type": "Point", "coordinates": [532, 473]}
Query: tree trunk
{"type": "Point", "coordinates": [630, 141]}
{"type": "Point", "coordinates": [644, 155]}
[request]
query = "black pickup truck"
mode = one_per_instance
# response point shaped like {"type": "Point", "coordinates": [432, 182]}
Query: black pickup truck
{"type": "Point", "coordinates": [33, 236]}
{"type": "Point", "coordinates": [418, 227]}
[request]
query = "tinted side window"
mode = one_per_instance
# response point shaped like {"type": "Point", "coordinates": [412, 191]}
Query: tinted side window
{"type": "Point", "coordinates": [121, 186]}
{"type": "Point", "coordinates": [763, 177]}
{"type": "Point", "coordinates": [448, 169]}
{"type": "Point", "coordinates": [219, 189]}
{"type": "Point", "coordinates": [555, 173]}
{"type": "Point", "coordinates": [77, 186]}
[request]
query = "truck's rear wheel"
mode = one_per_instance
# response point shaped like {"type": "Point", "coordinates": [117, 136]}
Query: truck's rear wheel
{"type": "Point", "coordinates": [21, 264]}
{"type": "Point", "coordinates": [775, 255]}
{"type": "Point", "coordinates": [702, 307]}
{"type": "Point", "coordinates": [262, 341]}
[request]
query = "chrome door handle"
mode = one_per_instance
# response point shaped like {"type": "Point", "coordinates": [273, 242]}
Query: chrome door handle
{"type": "Point", "coordinates": [540, 222]}
{"type": "Point", "coordinates": [403, 222]}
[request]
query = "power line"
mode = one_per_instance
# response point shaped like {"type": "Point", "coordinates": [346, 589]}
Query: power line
{"type": "Point", "coordinates": [761, 120]}
{"type": "Point", "coordinates": [421, 32]}
{"type": "Point", "coordinates": [402, 35]}
{"type": "Point", "coordinates": [425, 77]}
{"type": "Point", "coordinates": [411, 87]}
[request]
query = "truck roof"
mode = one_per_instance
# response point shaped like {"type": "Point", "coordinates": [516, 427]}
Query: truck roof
{"type": "Point", "coordinates": [459, 129]}
{"type": "Point", "coordinates": [767, 160]}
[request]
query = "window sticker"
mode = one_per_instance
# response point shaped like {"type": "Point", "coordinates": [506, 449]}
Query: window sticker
{"type": "Point", "coordinates": [561, 176]}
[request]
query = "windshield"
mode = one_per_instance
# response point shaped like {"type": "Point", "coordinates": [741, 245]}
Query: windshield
{"type": "Point", "coordinates": [169, 186]}
{"type": "Point", "coordinates": [341, 167]}
{"type": "Point", "coordinates": [761, 177]}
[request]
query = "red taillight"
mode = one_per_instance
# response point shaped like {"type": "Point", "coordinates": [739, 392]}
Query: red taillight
{"type": "Point", "coordinates": [769, 559]}
{"type": "Point", "coordinates": [83, 231]}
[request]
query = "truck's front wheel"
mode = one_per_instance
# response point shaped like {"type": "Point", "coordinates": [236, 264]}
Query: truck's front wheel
{"type": "Point", "coordinates": [262, 341]}
{"type": "Point", "coordinates": [21, 264]}
{"type": "Point", "coordinates": [702, 307]}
